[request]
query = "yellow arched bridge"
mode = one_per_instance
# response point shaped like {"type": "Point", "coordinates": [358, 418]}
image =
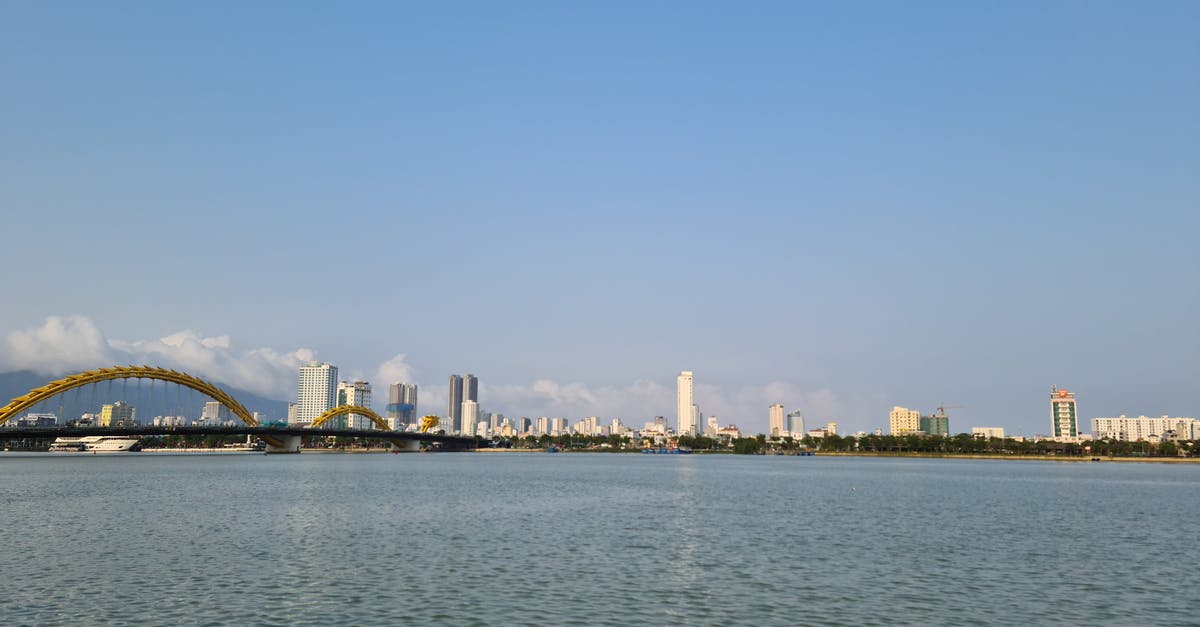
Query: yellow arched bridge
{"type": "Point", "coordinates": [282, 439]}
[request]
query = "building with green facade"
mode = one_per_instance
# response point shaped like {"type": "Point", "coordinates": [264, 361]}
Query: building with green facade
{"type": "Point", "coordinates": [935, 425]}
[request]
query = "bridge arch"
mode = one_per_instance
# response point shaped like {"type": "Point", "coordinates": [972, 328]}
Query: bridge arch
{"type": "Point", "coordinates": [350, 409]}
{"type": "Point", "coordinates": [37, 395]}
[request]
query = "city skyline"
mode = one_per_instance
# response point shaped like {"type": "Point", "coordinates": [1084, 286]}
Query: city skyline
{"type": "Point", "coordinates": [863, 206]}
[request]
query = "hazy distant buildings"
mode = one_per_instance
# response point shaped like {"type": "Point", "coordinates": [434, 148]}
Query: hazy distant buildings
{"type": "Point", "coordinates": [214, 413]}
{"type": "Point", "coordinates": [988, 432]}
{"type": "Point", "coordinates": [34, 420]}
{"type": "Point", "coordinates": [1064, 415]}
{"type": "Point", "coordinates": [358, 394]}
{"type": "Point", "coordinates": [317, 391]}
{"type": "Point", "coordinates": [686, 410]}
{"type": "Point", "coordinates": [402, 405]}
{"type": "Point", "coordinates": [904, 421]}
{"type": "Point", "coordinates": [119, 414]}
{"type": "Point", "coordinates": [775, 416]}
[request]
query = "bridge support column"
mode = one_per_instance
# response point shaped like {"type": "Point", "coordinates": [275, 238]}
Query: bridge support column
{"type": "Point", "coordinates": [289, 444]}
{"type": "Point", "coordinates": [406, 446]}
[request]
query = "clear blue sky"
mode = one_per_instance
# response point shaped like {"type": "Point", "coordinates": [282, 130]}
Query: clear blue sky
{"type": "Point", "coordinates": [838, 206]}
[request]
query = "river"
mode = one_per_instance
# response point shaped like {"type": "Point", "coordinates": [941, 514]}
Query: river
{"type": "Point", "coordinates": [593, 539]}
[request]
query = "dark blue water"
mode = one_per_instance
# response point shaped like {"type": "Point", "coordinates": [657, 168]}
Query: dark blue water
{"type": "Point", "coordinates": [594, 539]}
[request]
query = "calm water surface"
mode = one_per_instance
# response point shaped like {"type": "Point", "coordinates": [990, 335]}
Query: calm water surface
{"type": "Point", "coordinates": [582, 539]}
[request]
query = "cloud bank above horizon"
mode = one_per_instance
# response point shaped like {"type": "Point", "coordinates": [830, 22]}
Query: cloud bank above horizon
{"type": "Point", "coordinates": [65, 344]}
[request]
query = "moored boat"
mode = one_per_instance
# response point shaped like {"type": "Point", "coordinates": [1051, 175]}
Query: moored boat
{"type": "Point", "coordinates": [96, 444]}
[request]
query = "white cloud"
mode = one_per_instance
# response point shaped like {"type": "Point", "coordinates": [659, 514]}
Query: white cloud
{"type": "Point", "coordinates": [394, 370]}
{"type": "Point", "coordinates": [73, 343]}
{"type": "Point", "coordinates": [61, 344]}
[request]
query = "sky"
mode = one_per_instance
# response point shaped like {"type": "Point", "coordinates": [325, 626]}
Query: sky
{"type": "Point", "coordinates": [840, 207]}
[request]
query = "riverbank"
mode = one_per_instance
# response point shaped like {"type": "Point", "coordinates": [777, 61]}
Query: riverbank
{"type": "Point", "coordinates": [1042, 458]}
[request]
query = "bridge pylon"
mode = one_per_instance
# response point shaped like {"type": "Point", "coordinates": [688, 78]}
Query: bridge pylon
{"type": "Point", "coordinates": [287, 444]}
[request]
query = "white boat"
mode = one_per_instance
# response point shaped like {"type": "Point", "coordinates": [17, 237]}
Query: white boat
{"type": "Point", "coordinates": [95, 444]}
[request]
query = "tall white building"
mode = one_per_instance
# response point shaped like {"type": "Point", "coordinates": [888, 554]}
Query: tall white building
{"type": "Point", "coordinates": [470, 418]}
{"type": "Point", "coordinates": [214, 413]}
{"type": "Point", "coordinates": [685, 403]}
{"type": "Point", "coordinates": [317, 391]}
{"type": "Point", "coordinates": [776, 420]}
{"type": "Point", "coordinates": [357, 393]}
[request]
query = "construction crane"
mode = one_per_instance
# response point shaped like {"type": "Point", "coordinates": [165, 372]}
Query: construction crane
{"type": "Point", "coordinates": [428, 423]}
{"type": "Point", "coordinates": [943, 407]}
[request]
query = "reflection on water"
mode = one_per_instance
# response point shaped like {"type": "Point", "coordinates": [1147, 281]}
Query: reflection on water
{"type": "Point", "coordinates": [593, 539]}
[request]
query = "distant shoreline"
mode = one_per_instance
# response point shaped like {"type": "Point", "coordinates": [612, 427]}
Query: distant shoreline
{"type": "Point", "coordinates": [1040, 458]}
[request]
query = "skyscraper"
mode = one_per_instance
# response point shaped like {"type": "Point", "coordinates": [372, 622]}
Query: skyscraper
{"type": "Point", "coordinates": [316, 392]}
{"type": "Point", "coordinates": [1064, 415]}
{"type": "Point", "coordinates": [462, 388]}
{"type": "Point", "coordinates": [402, 405]}
{"type": "Point", "coordinates": [357, 393]}
{"type": "Point", "coordinates": [454, 405]}
{"type": "Point", "coordinates": [470, 388]}
{"type": "Point", "coordinates": [685, 410]}
{"type": "Point", "coordinates": [776, 420]}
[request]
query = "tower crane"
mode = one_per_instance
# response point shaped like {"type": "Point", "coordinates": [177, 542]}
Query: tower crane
{"type": "Point", "coordinates": [943, 407]}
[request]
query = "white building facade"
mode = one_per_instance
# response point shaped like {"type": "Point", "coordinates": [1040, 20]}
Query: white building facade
{"type": "Point", "coordinates": [1143, 429]}
{"type": "Point", "coordinates": [317, 391]}
{"type": "Point", "coordinates": [357, 393]}
{"type": "Point", "coordinates": [775, 420]}
{"type": "Point", "coordinates": [686, 410]}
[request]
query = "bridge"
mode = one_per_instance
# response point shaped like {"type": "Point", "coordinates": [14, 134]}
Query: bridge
{"type": "Point", "coordinates": [278, 439]}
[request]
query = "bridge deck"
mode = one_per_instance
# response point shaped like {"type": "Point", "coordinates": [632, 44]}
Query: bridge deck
{"type": "Point", "coordinates": [147, 430]}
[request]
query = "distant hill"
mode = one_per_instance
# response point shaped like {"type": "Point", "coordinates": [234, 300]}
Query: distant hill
{"type": "Point", "coordinates": [149, 400]}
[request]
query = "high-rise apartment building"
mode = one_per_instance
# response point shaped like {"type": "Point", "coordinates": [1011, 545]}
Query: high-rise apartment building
{"type": "Point", "coordinates": [454, 401]}
{"type": "Point", "coordinates": [795, 424]}
{"type": "Point", "coordinates": [316, 392]}
{"type": "Point", "coordinates": [470, 418]}
{"type": "Point", "coordinates": [402, 405]}
{"type": "Point", "coordinates": [905, 421]}
{"type": "Point", "coordinates": [462, 388]}
{"type": "Point", "coordinates": [1064, 415]}
{"type": "Point", "coordinates": [356, 393]}
{"type": "Point", "coordinates": [775, 416]}
{"type": "Point", "coordinates": [685, 403]}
